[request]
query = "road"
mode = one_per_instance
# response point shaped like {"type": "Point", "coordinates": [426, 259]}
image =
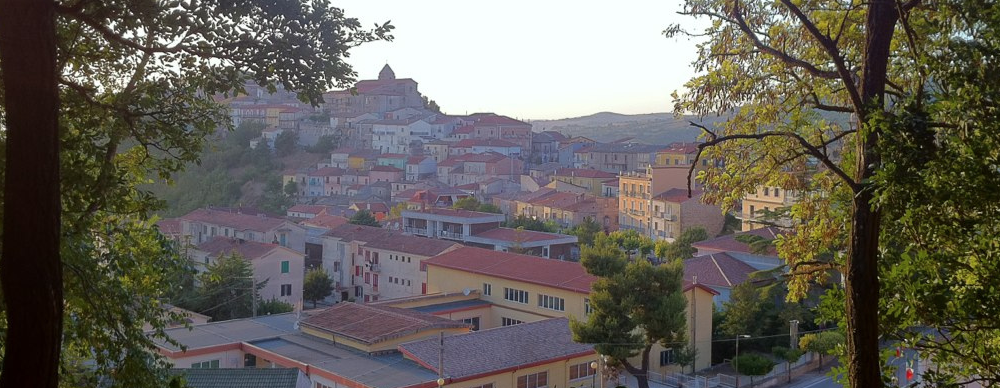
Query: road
{"type": "Point", "coordinates": [816, 381]}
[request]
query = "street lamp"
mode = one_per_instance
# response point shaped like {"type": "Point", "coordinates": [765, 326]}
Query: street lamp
{"type": "Point", "coordinates": [440, 382]}
{"type": "Point", "coordinates": [593, 378]}
{"type": "Point", "coordinates": [738, 356]}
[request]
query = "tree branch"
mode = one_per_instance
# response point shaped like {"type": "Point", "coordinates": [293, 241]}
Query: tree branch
{"type": "Point", "coordinates": [737, 19]}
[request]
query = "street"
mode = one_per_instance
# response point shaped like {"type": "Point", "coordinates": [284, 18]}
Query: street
{"type": "Point", "coordinates": [816, 381]}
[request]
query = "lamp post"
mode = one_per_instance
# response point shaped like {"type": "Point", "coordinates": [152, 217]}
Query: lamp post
{"type": "Point", "coordinates": [738, 356]}
{"type": "Point", "coordinates": [593, 378]}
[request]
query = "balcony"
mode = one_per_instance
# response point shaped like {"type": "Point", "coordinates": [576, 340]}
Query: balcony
{"type": "Point", "coordinates": [451, 235]}
{"type": "Point", "coordinates": [374, 267]}
{"type": "Point", "coordinates": [417, 231]}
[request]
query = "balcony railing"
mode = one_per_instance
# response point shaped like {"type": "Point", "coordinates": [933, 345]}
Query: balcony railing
{"type": "Point", "coordinates": [413, 230]}
{"type": "Point", "coordinates": [451, 235]}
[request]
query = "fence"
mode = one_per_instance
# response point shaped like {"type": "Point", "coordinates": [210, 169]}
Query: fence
{"type": "Point", "coordinates": [775, 377]}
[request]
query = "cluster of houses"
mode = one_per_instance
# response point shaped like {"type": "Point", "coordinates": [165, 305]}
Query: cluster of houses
{"type": "Point", "coordinates": [444, 296]}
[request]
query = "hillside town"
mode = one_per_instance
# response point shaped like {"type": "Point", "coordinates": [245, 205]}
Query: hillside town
{"type": "Point", "coordinates": [451, 250]}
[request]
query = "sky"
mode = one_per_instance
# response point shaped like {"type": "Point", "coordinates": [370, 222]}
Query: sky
{"type": "Point", "coordinates": [541, 59]}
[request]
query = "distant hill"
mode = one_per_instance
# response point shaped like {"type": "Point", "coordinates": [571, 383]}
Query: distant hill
{"type": "Point", "coordinates": [650, 128]}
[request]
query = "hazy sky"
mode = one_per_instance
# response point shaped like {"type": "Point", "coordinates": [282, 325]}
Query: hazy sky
{"type": "Point", "coordinates": [541, 59]}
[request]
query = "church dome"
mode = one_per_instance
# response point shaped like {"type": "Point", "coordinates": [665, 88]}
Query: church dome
{"type": "Point", "coordinates": [386, 73]}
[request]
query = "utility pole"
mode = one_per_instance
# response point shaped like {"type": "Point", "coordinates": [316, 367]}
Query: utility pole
{"type": "Point", "coordinates": [793, 334]}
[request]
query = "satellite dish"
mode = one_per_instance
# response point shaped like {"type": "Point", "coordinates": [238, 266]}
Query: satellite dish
{"type": "Point", "coordinates": [466, 292]}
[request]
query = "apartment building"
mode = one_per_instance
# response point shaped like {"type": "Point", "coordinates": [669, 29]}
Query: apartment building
{"type": "Point", "coordinates": [673, 211]}
{"type": "Point", "coordinates": [616, 157]}
{"type": "Point", "coordinates": [201, 225]}
{"type": "Point", "coordinates": [636, 192]}
{"type": "Point", "coordinates": [766, 199]}
{"type": "Point", "coordinates": [369, 264]}
{"type": "Point", "coordinates": [589, 179]}
{"type": "Point", "coordinates": [522, 289]}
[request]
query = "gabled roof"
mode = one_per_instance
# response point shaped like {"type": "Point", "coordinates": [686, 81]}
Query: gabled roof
{"type": "Point", "coordinates": [678, 195]}
{"type": "Point", "coordinates": [234, 220]}
{"type": "Point", "coordinates": [325, 221]}
{"type": "Point", "coordinates": [565, 275]}
{"type": "Point", "coordinates": [490, 119]}
{"type": "Point", "coordinates": [169, 226]}
{"type": "Point", "coordinates": [717, 270]}
{"type": "Point", "coordinates": [728, 243]}
{"type": "Point", "coordinates": [240, 377]}
{"type": "Point", "coordinates": [250, 250]}
{"type": "Point", "coordinates": [375, 207]}
{"type": "Point", "coordinates": [682, 148]}
{"type": "Point", "coordinates": [378, 238]}
{"type": "Point", "coordinates": [370, 324]}
{"type": "Point", "coordinates": [499, 349]}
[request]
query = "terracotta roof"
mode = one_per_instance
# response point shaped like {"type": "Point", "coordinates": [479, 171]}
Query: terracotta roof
{"type": "Point", "coordinates": [530, 269]}
{"type": "Point", "coordinates": [565, 275]}
{"type": "Point", "coordinates": [583, 173]}
{"type": "Point", "coordinates": [558, 200]}
{"type": "Point", "coordinates": [499, 349]}
{"type": "Point", "coordinates": [678, 195]}
{"type": "Point", "coordinates": [372, 324]}
{"type": "Point", "coordinates": [465, 129]}
{"type": "Point", "coordinates": [325, 221]}
{"type": "Point", "coordinates": [236, 221]}
{"type": "Point", "coordinates": [682, 147]}
{"type": "Point", "coordinates": [415, 159]}
{"type": "Point", "coordinates": [375, 207]}
{"type": "Point", "coordinates": [495, 119]}
{"type": "Point", "coordinates": [717, 270]}
{"type": "Point", "coordinates": [169, 226]}
{"type": "Point", "coordinates": [390, 240]}
{"type": "Point", "coordinates": [249, 250]}
{"type": "Point", "coordinates": [728, 243]}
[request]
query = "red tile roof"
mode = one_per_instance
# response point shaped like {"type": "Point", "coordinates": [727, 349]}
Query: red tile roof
{"type": "Point", "coordinates": [678, 195]}
{"type": "Point", "coordinates": [465, 129]}
{"type": "Point", "coordinates": [374, 207]}
{"type": "Point", "coordinates": [584, 173]}
{"type": "Point", "coordinates": [249, 250]}
{"type": "Point", "coordinates": [415, 159]}
{"type": "Point", "coordinates": [233, 220]}
{"type": "Point", "coordinates": [489, 119]}
{"type": "Point", "coordinates": [682, 147]}
{"type": "Point", "coordinates": [378, 238]}
{"type": "Point", "coordinates": [565, 275]}
{"type": "Point", "coordinates": [728, 243]}
{"type": "Point", "coordinates": [309, 209]}
{"type": "Point", "coordinates": [372, 324]}
{"type": "Point", "coordinates": [169, 226]}
{"type": "Point", "coordinates": [717, 270]}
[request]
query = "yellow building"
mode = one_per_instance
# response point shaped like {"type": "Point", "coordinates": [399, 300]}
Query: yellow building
{"type": "Point", "coordinates": [636, 191]}
{"type": "Point", "coordinates": [766, 199]}
{"type": "Point", "coordinates": [679, 154]}
{"type": "Point", "coordinates": [521, 289]}
{"type": "Point", "coordinates": [673, 212]}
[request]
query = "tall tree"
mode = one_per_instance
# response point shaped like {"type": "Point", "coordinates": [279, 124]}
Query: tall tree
{"type": "Point", "coordinates": [317, 285]}
{"type": "Point", "coordinates": [227, 289]}
{"type": "Point", "coordinates": [30, 267]}
{"type": "Point", "coordinates": [681, 249]}
{"type": "Point", "coordinates": [634, 305]}
{"type": "Point", "coordinates": [110, 97]}
{"type": "Point", "coordinates": [899, 70]}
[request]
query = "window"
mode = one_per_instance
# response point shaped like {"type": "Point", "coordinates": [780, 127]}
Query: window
{"type": "Point", "coordinates": [767, 190]}
{"type": "Point", "coordinates": [504, 321]}
{"type": "Point", "coordinates": [284, 266]}
{"type": "Point", "coordinates": [423, 267]}
{"type": "Point", "coordinates": [286, 289]}
{"type": "Point", "coordinates": [490, 385]}
{"type": "Point", "coordinates": [586, 307]}
{"type": "Point", "coordinates": [551, 302]}
{"type": "Point", "coordinates": [515, 295]}
{"type": "Point", "coordinates": [752, 210]}
{"type": "Point", "coordinates": [537, 380]}
{"type": "Point", "coordinates": [474, 321]}
{"type": "Point", "coordinates": [336, 266]}
{"type": "Point", "coordinates": [580, 371]}
{"type": "Point", "coordinates": [777, 192]}
{"type": "Point", "coordinates": [667, 357]}
{"type": "Point", "coordinates": [205, 364]}
{"type": "Point", "coordinates": [321, 385]}
{"type": "Point", "coordinates": [487, 289]}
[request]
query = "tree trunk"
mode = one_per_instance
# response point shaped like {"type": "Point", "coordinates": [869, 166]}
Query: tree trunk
{"type": "Point", "coordinates": [862, 284]}
{"type": "Point", "coordinates": [30, 268]}
{"type": "Point", "coordinates": [642, 373]}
